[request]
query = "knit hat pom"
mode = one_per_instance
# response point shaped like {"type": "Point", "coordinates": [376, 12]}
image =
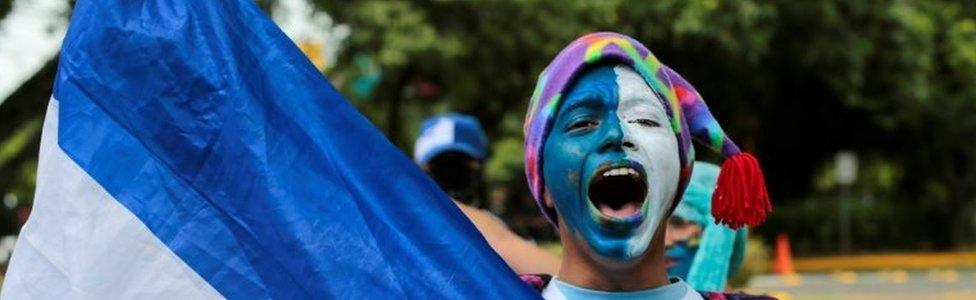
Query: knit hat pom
{"type": "Point", "coordinates": [740, 195]}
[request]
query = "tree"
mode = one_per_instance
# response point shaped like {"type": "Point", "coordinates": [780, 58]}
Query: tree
{"type": "Point", "coordinates": [910, 67]}
{"type": "Point", "coordinates": [793, 81]}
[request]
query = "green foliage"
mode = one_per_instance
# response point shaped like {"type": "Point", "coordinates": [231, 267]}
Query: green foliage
{"type": "Point", "coordinates": [25, 179]}
{"type": "Point", "coordinates": [506, 162]}
{"type": "Point", "coordinates": [877, 176]}
{"type": "Point", "coordinates": [5, 7]}
{"type": "Point", "coordinates": [405, 31]}
{"type": "Point", "coordinates": [499, 47]}
{"type": "Point", "coordinates": [18, 141]}
{"type": "Point", "coordinates": [794, 81]}
{"type": "Point", "coordinates": [877, 224]}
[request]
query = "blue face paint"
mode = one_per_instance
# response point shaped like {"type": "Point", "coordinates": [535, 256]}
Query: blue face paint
{"type": "Point", "coordinates": [679, 258]}
{"type": "Point", "coordinates": [609, 126]}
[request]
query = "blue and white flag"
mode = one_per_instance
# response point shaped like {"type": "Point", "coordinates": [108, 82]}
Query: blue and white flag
{"type": "Point", "coordinates": [191, 151]}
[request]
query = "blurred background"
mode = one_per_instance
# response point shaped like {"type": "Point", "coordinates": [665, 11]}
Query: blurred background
{"type": "Point", "coordinates": [863, 113]}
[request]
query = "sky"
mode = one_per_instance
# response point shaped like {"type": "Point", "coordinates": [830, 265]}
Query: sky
{"type": "Point", "coordinates": [30, 36]}
{"type": "Point", "coordinates": [305, 25]}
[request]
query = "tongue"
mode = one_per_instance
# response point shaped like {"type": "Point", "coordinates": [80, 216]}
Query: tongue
{"type": "Point", "coordinates": [624, 211]}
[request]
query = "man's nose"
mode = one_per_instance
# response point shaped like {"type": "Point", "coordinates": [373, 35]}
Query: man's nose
{"type": "Point", "coordinates": [613, 138]}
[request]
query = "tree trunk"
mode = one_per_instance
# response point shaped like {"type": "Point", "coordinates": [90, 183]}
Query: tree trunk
{"type": "Point", "coordinates": [395, 93]}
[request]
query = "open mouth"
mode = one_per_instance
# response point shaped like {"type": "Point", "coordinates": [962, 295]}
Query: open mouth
{"type": "Point", "coordinates": [618, 192]}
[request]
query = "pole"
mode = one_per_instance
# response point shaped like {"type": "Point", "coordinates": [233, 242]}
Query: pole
{"type": "Point", "coordinates": [846, 175]}
{"type": "Point", "coordinates": [845, 219]}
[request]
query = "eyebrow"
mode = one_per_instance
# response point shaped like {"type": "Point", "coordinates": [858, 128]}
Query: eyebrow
{"type": "Point", "coordinates": [591, 101]}
{"type": "Point", "coordinates": [654, 101]}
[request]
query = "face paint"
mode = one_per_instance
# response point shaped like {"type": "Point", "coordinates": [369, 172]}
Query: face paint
{"type": "Point", "coordinates": [679, 258]}
{"type": "Point", "coordinates": [611, 162]}
{"type": "Point", "coordinates": [681, 242]}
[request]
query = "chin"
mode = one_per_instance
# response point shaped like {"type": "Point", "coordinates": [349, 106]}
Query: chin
{"type": "Point", "coordinates": [621, 221]}
{"type": "Point", "coordinates": [619, 249]}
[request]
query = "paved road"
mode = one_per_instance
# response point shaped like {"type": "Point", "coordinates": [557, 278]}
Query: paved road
{"type": "Point", "coordinates": [885, 284]}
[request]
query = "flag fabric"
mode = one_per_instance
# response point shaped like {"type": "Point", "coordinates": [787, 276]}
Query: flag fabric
{"type": "Point", "coordinates": [191, 151]}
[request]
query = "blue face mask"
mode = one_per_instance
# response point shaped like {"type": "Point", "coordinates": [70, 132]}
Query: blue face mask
{"type": "Point", "coordinates": [611, 162]}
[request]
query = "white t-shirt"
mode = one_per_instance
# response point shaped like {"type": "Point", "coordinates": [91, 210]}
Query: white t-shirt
{"type": "Point", "coordinates": [678, 289]}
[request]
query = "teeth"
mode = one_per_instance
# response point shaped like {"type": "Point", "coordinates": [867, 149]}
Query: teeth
{"type": "Point", "coordinates": [625, 171]}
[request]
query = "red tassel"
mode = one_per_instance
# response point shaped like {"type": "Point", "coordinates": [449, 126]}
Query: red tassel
{"type": "Point", "coordinates": [740, 196]}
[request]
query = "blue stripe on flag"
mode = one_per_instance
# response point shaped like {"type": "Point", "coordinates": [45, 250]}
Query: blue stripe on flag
{"type": "Point", "coordinates": [207, 123]}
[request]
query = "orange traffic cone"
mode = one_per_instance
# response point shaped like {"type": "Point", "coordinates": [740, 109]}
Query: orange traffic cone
{"type": "Point", "coordinates": [784, 258]}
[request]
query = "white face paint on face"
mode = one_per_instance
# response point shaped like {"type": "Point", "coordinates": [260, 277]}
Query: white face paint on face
{"type": "Point", "coordinates": [655, 148]}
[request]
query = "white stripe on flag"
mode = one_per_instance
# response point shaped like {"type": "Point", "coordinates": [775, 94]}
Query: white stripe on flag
{"type": "Point", "coordinates": [80, 243]}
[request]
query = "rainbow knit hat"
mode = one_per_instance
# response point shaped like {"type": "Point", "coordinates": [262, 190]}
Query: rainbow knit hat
{"type": "Point", "coordinates": [740, 197]}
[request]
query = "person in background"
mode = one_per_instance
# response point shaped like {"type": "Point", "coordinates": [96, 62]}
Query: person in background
{"type": "Point", "coordinates": [699, 251]}
{"type": "Point", "coordinates": [452, 149]}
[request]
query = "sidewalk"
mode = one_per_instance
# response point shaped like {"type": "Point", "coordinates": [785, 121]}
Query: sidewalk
{"type": "Point", "coordinates": [886, 261]}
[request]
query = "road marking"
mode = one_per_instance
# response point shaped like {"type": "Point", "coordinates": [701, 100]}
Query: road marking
{"type": "Point", "coordinates": [792, 280]}
{"type": "Point", "coordinates": [944, 275]}
{"type": "Point", "coordinates": [951, 275]}
{"type": "Point", "coordinates": [899, 276]}
{"type": "Point", "coordinates": [845, 277]}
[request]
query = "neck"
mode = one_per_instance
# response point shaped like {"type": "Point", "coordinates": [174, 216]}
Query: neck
{"type": "Point", "coordinates": [581, 268]}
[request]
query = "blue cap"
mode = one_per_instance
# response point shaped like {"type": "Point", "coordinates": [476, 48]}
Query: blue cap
{"type": "Point", "coordinates": [450, 132]}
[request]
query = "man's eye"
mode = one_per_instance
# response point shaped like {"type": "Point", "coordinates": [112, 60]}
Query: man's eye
{"type": "Point", "coordinates": [582, 124]}
{"type": "Point", "coordinates": [646, 122]}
